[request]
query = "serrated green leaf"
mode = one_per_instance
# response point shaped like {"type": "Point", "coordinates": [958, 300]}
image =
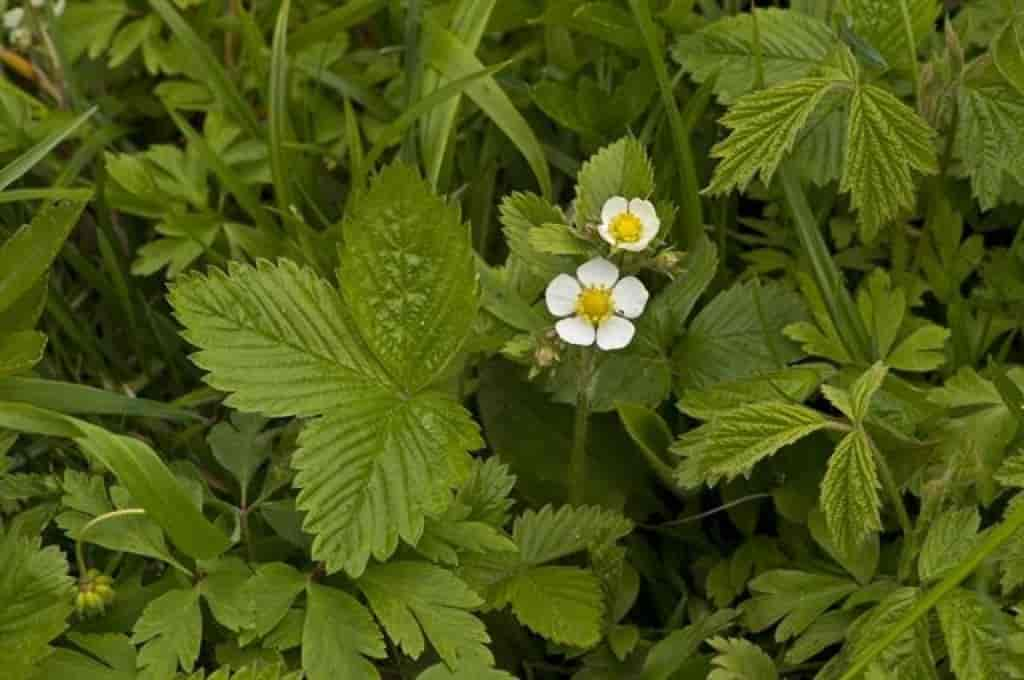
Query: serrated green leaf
{"type": "Point", "coordinates": [792, 45]}
{"type": "Point", "coordinates": [370, 471]}
{"type": "Point", "coordinates": [271, 592]}
{"type": "Point", "coordinates": [849, 492]}
{"type": "Point", "coordinates": [521, 212]}
{"type": "Point", "coordinates": [827, 630]}
{"type": "Point", "coordinates": [738, 659]}
{"type": "Point", "coordinates": [1008, 53]}
{"type": "Point", "coordinates": [671, 308]}
{"type": "Point", "coordinates": [862, 563]}
{"type": "Point", "coordinates": [796, 383]}
{"type": "Point", "coordinates": [794, 599]}
{"type": "Point", "coordinates": [886, 143]}
{"type": "Point", "coordinates": [408, 277]}
{"type": "Point", "coordinates": [238, 446]}
{"type": "Point", "coordinates": [620, 169]}
{"type": "Point", "coordinates": [973, 629]}
{"type": "Point", "coordinates": [730, 445]}
{"type": "Point", "coordinates": [949, 541]}
{"type": "Point", "coordinates": [225, 592]}
{"type": "Point", "coordinates": [1012, 471]}
{"type": "Point", "coordinates": [170, 632]}
{"type": "Point", "coordinates": [738, 335]}
{"type": "Point", "coordinates": [442, 672]}
{"type": "Point", "coordinates": [35, 602]}
{"type": "Point", "coordinates": [414, 600]}
{"type": "Point", "coordinates": [556, 239]}
{"type": "Point", "coordinates": [910, 655]}
{"type": "Point", "coordinates": [338, 635]}
{"type": "Point", "coordinates": [680, 646]}
{"type": "Point", "coordinates": [920, 351]}
{"type": "Point", "coordinates": [990, 115]}
{"type": "Point", "coordinates": [764, 126]}
{"type": "Point", "coordinates": [549, 535]}
{"type": "Point", "coordinates": [880, 24]}
{"type": "Point", "coordinates": [562, 604]}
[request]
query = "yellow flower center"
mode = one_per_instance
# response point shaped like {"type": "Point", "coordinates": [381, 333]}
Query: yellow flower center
{"type": "Point", "coordinates": [595, 304]}
{"type": "Point", "coordinates": [627, 227]}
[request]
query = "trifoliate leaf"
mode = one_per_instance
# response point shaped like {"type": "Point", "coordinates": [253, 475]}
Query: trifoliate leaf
{"type": "Point", "coordinates": [880, 24]}
{"type": "Point", "coordinates": [338, 635]}
{"type": "Point", "coordinates": [170, 631]}
{"type": "Point", "coordinates": [849, 492]}
{"type": "Point", "coordinates": [738, 335]}
{"type": "Point", "coordinates": [408, 276]}
{"type": "Point", "coordinates": [730, 445]}
{"type": "Point", "coordinates": [988, 139]}
{"type": "Point", "coordinates": [416, 599]}
{"type": "Point", "coordinates": [35, 602]}
{"type": "Point", "coordinates": [795, 598]}
{"type": "Point", "coordinates": [562, 604]}
{"type": "Point", "coordinates": [949, 541]}
{"type": "Point", "coordinates": [764, 127]}
{"type": "Point", "coordinates": [361, 494]}
{"type": "Point", "coordinates": [620, 169]}
{"type": "Point", "coordinates": [974, 632]}
{"type": "Point", "coordinates": [738, 659]}
{"type": "Point", "coordinates": [792, 45]}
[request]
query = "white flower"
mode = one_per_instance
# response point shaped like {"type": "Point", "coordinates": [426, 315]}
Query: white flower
{"type": "Point", "coordinates": [13, 18]}
{"type": "Point", "coordinates": [629, 225]}
{"type": "Point", "coordinates": [597, 305]}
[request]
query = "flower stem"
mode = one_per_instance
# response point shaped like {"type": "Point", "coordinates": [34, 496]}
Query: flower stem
{"type": "Point", "coordinates": [578, 460]}
{"type": "Point", "coordinates": [80, 542]}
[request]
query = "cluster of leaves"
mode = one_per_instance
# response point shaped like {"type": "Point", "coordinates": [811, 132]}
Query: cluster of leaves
{"type": "Point", "coordinates": [280, 397]}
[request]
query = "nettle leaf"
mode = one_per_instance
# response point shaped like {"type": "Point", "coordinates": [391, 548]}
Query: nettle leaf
{"type": "Point", "coordinates": [35, 602]}
{"type": "Point", "coordinates": [730, 445]}
{"type": "Point", "coordinates": [764, 127]}
{"type": "Point", "coordinates": [988, 140]}
{"type": "Point", "coordinates": [975, 637]}
{"type": "Point", "coordinates": [385, 451]}
{"type": "Point", "coordinates": [408, 276]}
{"type": "Point", "coordinates": [880, 24]}
{"type": "Point", "coordinates": [792, 45]}
{"type": "Point", "coordinates": [738, 335]}
{"type": "Point", "coordinates": [849, 493]}
{"type": "Point", "coordinates": [621, 169]}
{"type": "Point", "coordinates": [338, 635]}
{"type": "Point", "coordinates": [949, 541]}
{"type": "Point", "coordinates": [795, 598]}
{"type": "Point", "coordinates": [886, 142]}
{"type": "Point", "coordinates": [416, 599]}
{"type": "Point", "coordinates": [737, 659]}
{"type": "Point", "coordinates": [170, 631]}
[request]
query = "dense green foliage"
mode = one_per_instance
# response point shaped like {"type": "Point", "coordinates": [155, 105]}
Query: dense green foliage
{"type": "Point", "coordinates": [497, 339]}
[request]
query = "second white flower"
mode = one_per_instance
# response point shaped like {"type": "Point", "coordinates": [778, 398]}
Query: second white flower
{"type": "Point", "coordinates": [597, 305]}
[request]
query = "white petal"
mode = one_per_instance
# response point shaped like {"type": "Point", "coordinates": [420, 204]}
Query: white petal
{"type": "Point", "coordinates": [614, 206]}
{"type": "Point", "coordinates": [576, 331]}
{"type": "Point", "coordinates": [561, 295]}
{"type": "Point", "coordinates": [615, 333]}
{"type": "Point", "coordinates": [630, 297]}
{"type": "Point", "coordinates": [598, 272]}
{"type": "Point", "coordinates": [605, 230]}
{"type": "Point", "coordinates": [58, 7]}
{"type": "Point", "coordinates": [13, 17]}
{"type": "Point", "coordinates": [643, 209]}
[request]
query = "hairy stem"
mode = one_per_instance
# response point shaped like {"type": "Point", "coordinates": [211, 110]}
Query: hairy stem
{"type": "Point", "coordinates": [578, 460]}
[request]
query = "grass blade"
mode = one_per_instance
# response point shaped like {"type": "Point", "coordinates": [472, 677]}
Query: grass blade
{"type": "Point", "coordinates": [447, 54]}
{"type": "Point", "coordinates": [690, 206]}
{"type": "Point", "coordinates": [468, 24]}
{"type": "Point", "coordinates": [76, 399]}
{"type": "Point", "coordinates": [280, 132]}
{"type": "Point", "coordinates": [17, 168]}
{"type": "Point", "coordinates": [327, 26]}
